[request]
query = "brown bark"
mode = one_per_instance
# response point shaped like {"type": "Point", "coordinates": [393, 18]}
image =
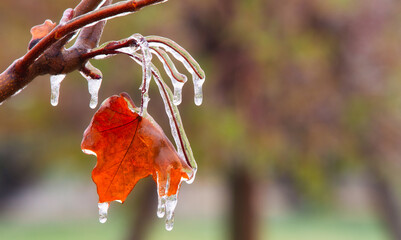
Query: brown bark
{"type": "Point", "coordinates": [243, 216]}
{"type": "Point", "coordinates": [142, 221]}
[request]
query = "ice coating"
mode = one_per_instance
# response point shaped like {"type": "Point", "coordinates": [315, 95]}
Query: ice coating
{"type": "Point", "coordinates": [94, 78]}
{"type": "Point", "coordinates": [146, 58]}
{"type": "Point", "coordinates": [166, 203]}
{"type": "Point", "coordinates": [179, 53]}
{"type": "Point", "coordinates": [132, 148]}
{"type": "Point", "coordinates": [167, 200]}
{"type": "Point", "coordinates": [177, 79]}
{"type": "Point", "coordinates": [103, 208]}
{"type": "Point", "coordinates": [18, 92]}
{"type": "Point", "coordinates": [177, 129]}
{"type": "Point", "coordinates": [55, 81]}
{"type": "Point", "coordinates": [174, 117]}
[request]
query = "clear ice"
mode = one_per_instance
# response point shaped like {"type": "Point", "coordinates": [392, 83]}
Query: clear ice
{"type": "Point", "coordinates": [103, 208]}
{"type": "Point", "coordinates": [179, 53]}
{"type": "Point", "coordinates": [177, 129]}
{"type": "Point", "coordinates": [55, 81]}
{"type": "Point", "coordinates": [146, 70]}
{"type": "Point", "coordinates": [166, 204]}
{"type": "Point", "coordinates": [94, 78]}
{"type": "Point", "coordinates": [171, 203]}
{"type": "Point", "coordinates": [198, 95]}
{"type": "Point", "coordinates": [177, 79]}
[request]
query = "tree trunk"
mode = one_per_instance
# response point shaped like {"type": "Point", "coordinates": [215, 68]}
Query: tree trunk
{"type": "Point", "coordinates": [243, 219]}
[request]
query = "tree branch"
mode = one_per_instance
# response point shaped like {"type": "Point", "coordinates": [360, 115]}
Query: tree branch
{"type": "Point", "coordinates": [89, 37]}
{"type": "Point", "coordinates": [39, 61]}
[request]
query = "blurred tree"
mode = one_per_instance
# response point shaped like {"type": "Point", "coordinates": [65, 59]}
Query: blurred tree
{"type": "Point", "coordinates": [311, 81]}
{"type": "Point", "coordinates": [304, 92]}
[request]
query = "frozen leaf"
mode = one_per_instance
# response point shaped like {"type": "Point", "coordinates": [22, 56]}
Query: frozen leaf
{"type": "Point", "coordinates": [40, 31]}
{"type": "Point", "coordinates": [130, 147]}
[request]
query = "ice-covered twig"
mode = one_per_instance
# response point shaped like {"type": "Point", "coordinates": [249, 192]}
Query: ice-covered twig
{"type": "Point", "coordinates": [146, 70]}
{"type": "Point", "coordinates": [177, 79]}
{"type": "Point", "coordinates": [177, 128]}
{"type": "Point", "coordinates": [198, 75]}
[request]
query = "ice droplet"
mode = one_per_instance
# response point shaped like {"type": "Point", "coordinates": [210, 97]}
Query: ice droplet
{"type": "Point", "coordinates": [103, 208]}
{"type": "Point", "coordinates": [94, 78]}
{"type": "Point", "coordinates": [55, 81]}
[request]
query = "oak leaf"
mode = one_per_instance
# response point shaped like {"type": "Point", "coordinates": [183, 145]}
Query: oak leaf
{"type": "Point", "coordinates": [40, 31]}
{"type": "Point", "coordinates": [128, 148]}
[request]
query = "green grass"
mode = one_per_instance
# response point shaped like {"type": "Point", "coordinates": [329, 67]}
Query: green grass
{"type": "Point", "coordinates": [324, 227]}
{"type": "Point", "coordinates": [300, 227]}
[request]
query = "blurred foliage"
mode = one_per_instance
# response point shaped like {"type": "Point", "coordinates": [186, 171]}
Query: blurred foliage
{"type": "Point", "coordinates": [302, 92]}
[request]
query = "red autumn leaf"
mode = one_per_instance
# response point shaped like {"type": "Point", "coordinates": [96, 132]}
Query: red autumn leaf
{"type": "Point", "coordinates": [128, 148]}
{"type": "Point", "coordinates": [40, 31]}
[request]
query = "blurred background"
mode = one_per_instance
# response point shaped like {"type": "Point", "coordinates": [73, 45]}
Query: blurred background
{"type": "Point", "coordinates": [298, 137]}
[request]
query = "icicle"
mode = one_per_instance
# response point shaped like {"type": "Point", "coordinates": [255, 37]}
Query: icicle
{"type": "Point", "coordinates": [171, 203]}
{"type": "Point", "coordinates": [198, 96]}
{"type": "Point", "coordinates": [166, 204]}
{"type": "Point", "coordinates": [55, 81]}
{"type": "Point", "coordinates": [103, 208]}
{"type": "Point", "coordinates": [198, 75]}
{"type": "Point", "coordinates": [161, 206]}
{"type": "Point", "coordinates": [94, 78]}
{"type": "Point", "coordinates": [146, 70]}
{"type": "Point", "coordinates": [177, 79]}
{"type": "Point", "coordinates": [93, 87]}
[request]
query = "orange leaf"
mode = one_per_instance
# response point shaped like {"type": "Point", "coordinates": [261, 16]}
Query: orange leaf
{"type": "Point", "coordinates": [128, 148]}
{"type": "Point", "coordinates": [40, 31]}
